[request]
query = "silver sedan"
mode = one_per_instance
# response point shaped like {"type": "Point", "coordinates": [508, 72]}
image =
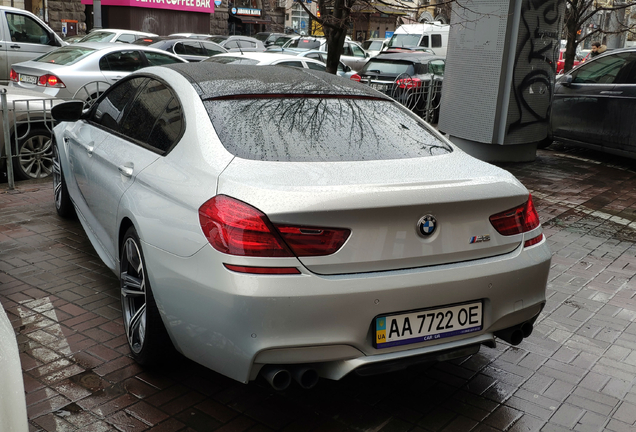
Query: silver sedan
{"type": "Point", "coordinates": [84, 70]}
{"type": "Point", "coordinates": [288, 223]}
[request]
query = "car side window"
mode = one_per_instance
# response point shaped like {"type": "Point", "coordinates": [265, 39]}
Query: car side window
{"type": "Point", "coordinates": [627, 74]}
{"type": "Point", "coordinates": [168, 127]}
{"type": "Point", "coordinates": [603, 70]}
{"type": "Point", "coordinates": [231, 44]}
{"type": "Point", "coordinates": [112, 108]}
{"type": "Point", "coordinates": [346, 50]}
{"type": "Point", "coordinates": [314, 56]}
{"type": "Point", "coordinates": [192, 48]}
{"type": "Point", "coordinates": [247, 44]}
{"type": "Point", "coordinates": [211, 49]}
{"type": "Point", "coordinates": [436, 41]}
{"type": "Point", "coordinates": [121, 61]}
{"type": "Point", "coordinates": [158, 59]}
{"type": "Point", "coordinates": [316, 66]}
{"type": "Point", "coordinates": [25, 29]}
{"type": "Point", "coordinates": [145, 112]}
{"type": "Point", "coordinates": [424, 41]}
{"type": "Point", "coordinates": [357, 52]}
{"type": "Point", "coordinates": [126, 38]}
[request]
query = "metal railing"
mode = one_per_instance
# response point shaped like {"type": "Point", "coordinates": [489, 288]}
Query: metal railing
{"type": "Point", "coordinates": [422, 96]}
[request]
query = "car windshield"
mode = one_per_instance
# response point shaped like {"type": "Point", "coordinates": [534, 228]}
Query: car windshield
{"type": "Point", "coordinates": [65, 55]}
{"type": "Point", "coordinates": [372, 45]}
{"type": "Point", "coordinates": [232, 60]}
{"type": "Point", "coordinates": [280, 41]}
{"type": "Point", "coordinates": [315, 129]}
{"type": "Point", "coordinates": [405, 40]}
{"type": "Point", "coordinates": [387, 67]}
{"type": "Point", "coordinates": [98, 37]}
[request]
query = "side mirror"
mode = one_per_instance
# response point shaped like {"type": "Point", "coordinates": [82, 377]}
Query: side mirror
{"type": "Point", "coordinates": [566, 81]}
{"type": "Point", "coordinates": [68, 111]}
{"type": "Point", "coordinates": [367, 55]}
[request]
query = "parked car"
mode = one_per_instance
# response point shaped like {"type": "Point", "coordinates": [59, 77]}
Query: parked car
{"type": "Point", "coordinates": [267, 59]}
{"type": "Point", "coordinates": [408, 77]}
{"type": "Point", "coordinates": [67, 70]}
{"type": "Point", "coordinates": [23, 36]}
{"type": "Point", "coordinates": [374, 45]}
{"type": "Point", "coordinates": [30, 131]}
{"type": "Point", "coordinates": [295, 224]}
{"type": "Point", "coordinates": [277, 39]}
{"type": "Point", "coordinates": [561, 61]}
{"type": "Point", "coordinates": [352, 53]}
{"type": "Point", "coordinates": [192, 50]}
{"type": "Point", "coordinates": [115, 35]}
{"type": "Point", "coordinates": [594, 103]}
{"type": "Point", "coordinates": [343, 70]}
{"type": "Point", "coordinates": [12, 398]}
{"type": "Point", "coordinates": [238, 43]}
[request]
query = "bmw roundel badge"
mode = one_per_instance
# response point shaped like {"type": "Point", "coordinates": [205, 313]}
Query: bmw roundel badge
{"type": "Point", "coordinates": [426, 225]}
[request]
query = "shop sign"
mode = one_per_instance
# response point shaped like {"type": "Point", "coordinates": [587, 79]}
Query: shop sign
{"type": "Point", "coordinates": [206, 6]}
{"type": "Point", "coordinates": [246, 11]}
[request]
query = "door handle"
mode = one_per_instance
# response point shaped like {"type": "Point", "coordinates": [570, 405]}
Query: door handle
{"type": "Point", "coordinates": [126, 171]}
{"type": "Point", "coordinates": [15, 46]}
{"type": "Point", "coordinates": [89, 150]}
{"type": "Point", "coordinates": [609, 92]}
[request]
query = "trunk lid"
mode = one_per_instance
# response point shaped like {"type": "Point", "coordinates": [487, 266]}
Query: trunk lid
{"type": "Point", "coordinates": [382, 208]}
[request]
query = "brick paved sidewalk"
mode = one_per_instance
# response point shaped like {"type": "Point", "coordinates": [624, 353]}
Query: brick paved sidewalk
{"type": "Point", "coordinates": [576, 372]}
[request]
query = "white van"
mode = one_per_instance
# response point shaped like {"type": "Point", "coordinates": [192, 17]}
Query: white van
{"type": "Point", "coordinates": [432, 35]}
{"type": "Point", "coordinates": [23, 36]}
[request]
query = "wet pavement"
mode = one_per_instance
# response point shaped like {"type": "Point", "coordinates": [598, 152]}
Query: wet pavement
{"type": "Point", "coordinates": [576, 372]}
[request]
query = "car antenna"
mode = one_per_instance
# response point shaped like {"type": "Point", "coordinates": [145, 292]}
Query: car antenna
{"type": "Point", "coordinates": [239, 47]}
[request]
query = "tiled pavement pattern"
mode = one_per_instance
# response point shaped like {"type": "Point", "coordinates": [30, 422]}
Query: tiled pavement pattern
{"type": "Point", "coordinates": [576, 372]}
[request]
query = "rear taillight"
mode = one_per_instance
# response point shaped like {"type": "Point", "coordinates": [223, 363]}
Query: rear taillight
{"type": "Point", "coordinates": [307, 241]}
{"type": "Point", "coordinates": [13, 76]}
{"type": "Point", "coordinates": [409, 83]}
{"type": "Point", "coordinates": [517, 220]}
{"type": "Point", "coordinates": [356, 77]}
{"type": "Point", "coordinates": [236, 228]}
{"type": "Point", "coordinates": [50, 81]}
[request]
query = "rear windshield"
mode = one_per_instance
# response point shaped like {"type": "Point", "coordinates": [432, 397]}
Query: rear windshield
{"type": "Point", "coordinates": [304, 43]}
{"type": "Point", "coordinates": [232, 60]}
{"type": "Point", "coordinates": [389, 67]}
{"type": "Point", "coordinates": [98, 37]}
{"type": "Point", "coordinates": [65, 55]}
{"type": "Point", "coordinates": [312, 129]}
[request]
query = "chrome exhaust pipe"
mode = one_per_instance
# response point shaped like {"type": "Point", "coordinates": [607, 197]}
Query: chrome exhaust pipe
{"type": "Point", "coordinates": [276, 376]}
{"type": "Point", "coordinates": [512, 335]}
{"type": "Point", "coordinates": [306, 377]}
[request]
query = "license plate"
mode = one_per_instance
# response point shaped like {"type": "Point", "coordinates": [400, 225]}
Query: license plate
{"type": "Point", "coordinates": [30, 79]}
{"type": "Point", "coordinates": [428, 324]}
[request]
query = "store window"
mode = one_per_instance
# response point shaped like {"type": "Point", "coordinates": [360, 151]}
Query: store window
{"type": "Point", "coordinates": [300, 19]}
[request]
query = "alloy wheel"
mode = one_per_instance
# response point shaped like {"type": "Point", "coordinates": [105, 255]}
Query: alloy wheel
{"type": "Point", "coordinates": [133, 295]}
{"type": "Point", "coordinates": [57, 178]}
{"type": "Point", "coordinates": [35, 157]}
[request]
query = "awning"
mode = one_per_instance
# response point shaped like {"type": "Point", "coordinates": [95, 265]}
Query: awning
{"type": "Point", "coordinates": [250, 20]}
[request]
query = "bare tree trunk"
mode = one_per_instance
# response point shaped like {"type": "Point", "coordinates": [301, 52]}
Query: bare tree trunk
{"type": "Point", "coordinates": [571, 27]}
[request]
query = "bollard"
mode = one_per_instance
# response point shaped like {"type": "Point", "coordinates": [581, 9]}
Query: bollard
{"type": "Point", "coordinates": [7, 138]}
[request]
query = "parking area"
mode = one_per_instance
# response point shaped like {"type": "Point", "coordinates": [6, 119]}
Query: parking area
{"type": "Point", "coordinates": [575, 372]}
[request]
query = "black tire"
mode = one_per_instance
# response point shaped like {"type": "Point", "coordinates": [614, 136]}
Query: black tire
{"type": "Point", "coordinates": [147, 337]}
{"type": "Point", "coordinates": [61, 198]}
{"type": "Point", "coordinates": [545, 143]}
{"type": "Point", "coordinates": [34, 155]}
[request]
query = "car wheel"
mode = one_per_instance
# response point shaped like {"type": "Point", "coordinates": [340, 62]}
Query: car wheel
{"type": "Point", "coordinates": [146, 334]}
{"type": "Point", "coordinates": [34, 156]}
{"type": "Point", "coordinates": [63, 204]}
{"type": "Point", "coordinates": [546, 142]}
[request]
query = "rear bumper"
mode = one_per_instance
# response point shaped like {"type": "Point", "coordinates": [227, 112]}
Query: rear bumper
{"type": "Point", "coordinates": [235, 323]}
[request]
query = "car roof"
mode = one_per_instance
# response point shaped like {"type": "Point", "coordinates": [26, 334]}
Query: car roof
{"type": "Point", "coordinates": [267, 56]}
{"type": "Point", "coordinates": [113, 30]}
{"type": "Point", "coordinates": [215, 80]}
{"type": "Point", "coordinates": [412, 56]}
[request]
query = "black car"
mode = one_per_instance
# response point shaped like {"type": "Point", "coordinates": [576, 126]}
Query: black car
{"type": "Point", "coordinates": [192, 50]}
{"type": "Point", "coordinates": [412, 78]}
{"type": "Point", "coordinates": [594, 104]}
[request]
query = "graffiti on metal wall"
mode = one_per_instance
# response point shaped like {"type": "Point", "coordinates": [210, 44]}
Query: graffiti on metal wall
{"type": "Point", "coordinates": [534, 69]}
